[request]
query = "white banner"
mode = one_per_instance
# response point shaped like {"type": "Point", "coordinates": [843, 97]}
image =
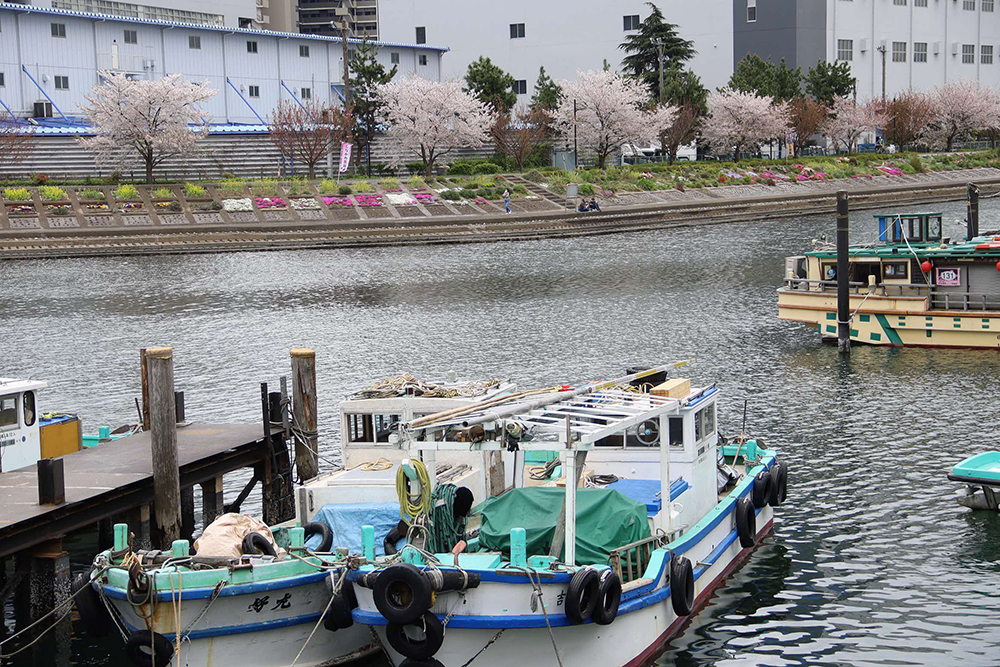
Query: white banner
{"type": "Point", "coordinates": [345, 156]}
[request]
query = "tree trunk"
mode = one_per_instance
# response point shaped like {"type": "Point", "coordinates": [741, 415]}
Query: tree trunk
{"type": "Point", "coordinates": [149, 169]}
{"type": "Point", "coordinates": [312, 171]}
{"type": "Point", "coordinates": [428, 166]}
{"type": "Point", "coordinates": [951, 143]}
{"type": "Point", "coordinates": [736, 153]}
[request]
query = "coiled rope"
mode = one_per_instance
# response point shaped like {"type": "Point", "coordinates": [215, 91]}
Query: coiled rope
{"type": "Point", "coordinates": [446, 530]}
{"type": "Point", "coordinates": [412, 505]}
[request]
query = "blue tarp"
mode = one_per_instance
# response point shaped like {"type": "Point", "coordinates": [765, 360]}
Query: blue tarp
{"type": "Point", "coordinates": [345, 520]}
{"type": "Point", "coordinates": [647, 491]}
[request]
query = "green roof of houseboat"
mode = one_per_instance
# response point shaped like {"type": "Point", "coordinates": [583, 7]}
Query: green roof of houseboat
{"type": "Point", "coordinates": [957, 250]}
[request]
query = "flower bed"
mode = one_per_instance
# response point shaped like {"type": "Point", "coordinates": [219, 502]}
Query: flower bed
{"type": "Point", "coordinates": [233, 205]}
{"type": "Point", "coordinates": [338, 201]}
{"type": "Point", "coordinates": [403, 199]}
{"type": "Point", "coordinates": [167, 206]}
{"type": "Point", "coordinates": [424, 198]}
{"type": "Point", "coordinates": [304, 204]}
{"type": "Point", "coordinates": [131, 207]}
{"type": "Point", "coordinates": [91, 193]}
{"type": "Point", "coordinates": [21, 209]}
{"type": "Point", "coordinates": [368, 201]}
{"type": "Point", "coordinates": [52, 193]}
{"type": "Point", "coordinates": [17, 194]}
{"type": "Point", "coordinates": [96, 208]}
{"type": "Point", "coordinates": [55, 209]}
{"type": "Point", "coordinates": [270, 202]}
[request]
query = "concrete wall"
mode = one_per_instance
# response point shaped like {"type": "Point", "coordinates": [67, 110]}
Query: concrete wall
{"type": "Point", "coordinates": [91, 44]}
{"type": "Point", "coordinates": [789, 30]}
{"type": "Point", "coordinates": [561, 35]}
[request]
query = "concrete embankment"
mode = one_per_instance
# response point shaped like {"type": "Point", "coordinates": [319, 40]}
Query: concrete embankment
{"type": "Point", "coordinates": [624, 214]}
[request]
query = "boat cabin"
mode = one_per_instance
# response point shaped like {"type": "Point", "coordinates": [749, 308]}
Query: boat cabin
{"type": "Point", "coordinates": [909, 228]}
{"type": "Point", "coordinates": [26, 435]}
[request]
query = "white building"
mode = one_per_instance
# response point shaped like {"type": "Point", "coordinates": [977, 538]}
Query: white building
{"type": "Point", "coordinates": [50, 58]}
{"type": "Point", "coordinates": [562, 35]}
{"type": "Point", "coordinates": [238, 13]}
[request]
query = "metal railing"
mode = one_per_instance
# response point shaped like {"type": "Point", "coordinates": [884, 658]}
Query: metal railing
{"type": "Point", "coordinates": [965, 301]}
{"type": "Point", "coordinates": [630, 561]}
{"type": "Point", "coordinates": [938, 299]}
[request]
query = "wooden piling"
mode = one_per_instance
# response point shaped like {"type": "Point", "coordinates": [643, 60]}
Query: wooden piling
{"type": "Point", "coordinates": [163, 427]}
{"type": "Point", "coordinates": [843, 275]}
{"type": "Point", "coordinates": [304, 412]}
{"type": "Point", "coordinates": [144, 377]}
{"type": "Point", "coordinates": [211, 501]}
{"type": "Point", "coordinates": [972, 212]}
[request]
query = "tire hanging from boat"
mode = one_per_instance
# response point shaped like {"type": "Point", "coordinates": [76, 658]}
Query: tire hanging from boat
{"type": "Point", "coordinates": [256, 544]}
{"type": "Point", "coordinates": [339, 617]}
{"type": "Point", "coordinates": [761, 491]}
{"type": "Point", "coordinates": [88, 603]}
{"type": "Point", "coordinates": [681, 585]}
{"type": "Point", "coordinates": [779, 484]}
{"type": "Point", "coordinates": [149, 649]}
{"type": "Point", "coordinates": [746, 522]}
{"type": "Point", "coordinates": [582, 594]}
{"type": "Point", "coordinates": [414, 648]}
{"type": "Point", "coordinates": [323, 530]}
{"type": "Point", "coordinates": [431, 662]}
{"type": "Point", "coordinates": [609, 597]}
{"type": "Point", "coordinates": [402, 593]}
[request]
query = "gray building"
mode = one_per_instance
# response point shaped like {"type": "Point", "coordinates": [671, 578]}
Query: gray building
{"type": "Point", "coordinates": [789, 30]}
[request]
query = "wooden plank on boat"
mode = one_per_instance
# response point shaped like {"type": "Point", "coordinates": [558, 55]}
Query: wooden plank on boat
{"type": "Point", "coordinates": [672, 388]}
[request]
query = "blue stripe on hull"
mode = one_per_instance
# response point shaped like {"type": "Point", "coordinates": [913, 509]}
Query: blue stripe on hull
{"type": "Point", "coordinates": [242, 629]}
{"type": "Point", "coordinates": [232, 589]}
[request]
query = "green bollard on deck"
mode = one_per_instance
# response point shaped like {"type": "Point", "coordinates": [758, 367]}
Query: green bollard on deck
{"type": "Point", "coordinates": [121, 537]}
{"type": "Point", "coordinates": [103, 432]}
{"type": "Point", "coordinates": [297, 538]}
{"type": "Point", "coordinates": [518, 547]}
{"type": "Point", "coordinates": [180, 549]}
{"type": "Point", "coordinates": [368, 542]}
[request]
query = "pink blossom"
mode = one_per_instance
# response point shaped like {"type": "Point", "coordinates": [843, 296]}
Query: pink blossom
{"type": "Point", "coordinates": [741, 120]}
{"type": "Point", "coordinates": [850, 120]}
{"type": "Point", "coordinates": [961, 109]}
{"type": "Point", "coordinates": [338, 201]}
{"type": "Point", "coordinates": [270, 202]}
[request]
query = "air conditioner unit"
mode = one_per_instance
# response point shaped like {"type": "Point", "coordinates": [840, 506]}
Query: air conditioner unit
{"type": "Point", "coordinates": [863, 45]}
{"type": "Point", "coordinates": [954, 48]}
{"type": "Point", "coordinates": [937, 48]}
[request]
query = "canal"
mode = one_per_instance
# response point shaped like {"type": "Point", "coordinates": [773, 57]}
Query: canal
{"type": "Point", "coordinates": [872, 561]}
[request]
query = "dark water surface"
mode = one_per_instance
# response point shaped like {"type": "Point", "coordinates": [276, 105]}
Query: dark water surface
{"type": "Point", "coordinates": [872, 562]}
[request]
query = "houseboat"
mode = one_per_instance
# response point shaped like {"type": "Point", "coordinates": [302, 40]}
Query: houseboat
{"type": "Point", "coordinates": [26, 435]}
{"type": "Point", "coordinates": [911, 287]}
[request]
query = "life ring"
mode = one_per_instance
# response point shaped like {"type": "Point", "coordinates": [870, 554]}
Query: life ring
{"type": "Point", "coordinates": [402, 593]}
{"type": "Point", "coordinates": [779, 484]}
{"type": "Point", "coordinates": [746, 522]}
{"type": "Point", "coordinates": [761, 489]}
{"type": "Point", "coordinates": [149, 649]}
{"type": "Point", "coordinates": [88, 603]}
{"type": "Point", "coordinates": [609, 596]}
{"type": "Point", "coordinates": [339, 617]}
{"type": "Point", "coordinates": [256, 544]}
{"type": "Point", "coordinates": [417, 648]}
{"type": "Point", "coordinates": [681, 585]}
{"type": "Point", "coordinates": [326, 535]}
{"type": "Point", "coordinates": [582, 596]}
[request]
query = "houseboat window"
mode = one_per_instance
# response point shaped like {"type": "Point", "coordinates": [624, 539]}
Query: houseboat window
{"type": "Point", "coordinates": [8, 410]}
{"type": "Point", "coordinates": [676, 431]}
{"type": "Point", "coordinates": [384, 425]}
{"type": "Point", "coordinates": [897, 231]}
{"type": "Point", "coordinates": [915, 232]}
{"type": "Point", "coordinates": [29, 408]}
{"type": "Point", "coordinates": [934, 229]}
{"type": "Point", "coordinates": [697, 427]}
{"type": "Point", "coordinates": [359, 428]}
{"type": "Point", "coordinates": [895, 269]}
{"type": "Point", "coordinates": [707, 418]}
{"type": "Point", "coordinates": [829, 272]}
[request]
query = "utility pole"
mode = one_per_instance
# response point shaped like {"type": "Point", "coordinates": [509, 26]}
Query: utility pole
{"type": "Point", "coordinates": [659, 54]}
{"type": "Point", "coordinates": [347, 73]}
{"type": "Point", "coordinates": [576, 157]}
{"type": "Point", "coordinates": [882, 50]}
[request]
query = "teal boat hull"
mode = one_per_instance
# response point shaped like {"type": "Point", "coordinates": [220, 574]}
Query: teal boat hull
{"type": "Point", "coordinates": [979, 469]}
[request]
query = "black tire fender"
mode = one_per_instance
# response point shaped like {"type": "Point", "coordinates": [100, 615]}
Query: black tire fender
{"type": "Point", "coordinates": [681, 585]}
{"type": "Point", "coordinates": [407, 662]}
{"type": "Point", "coordinates": [339, 617]}
{"type": "Point", "coordinates": [581, 596]}
{"type": "Point", "coordinates": [402, 594]}
{"type": "Point", "coordinates": [746, 522]}
{"type": "Point", "coordinates": [417, 648]}
{"type": "Point", "coordinates": [93, 613]}
{"type": "Point", "coordinates": [761, 491]}
{"type": "Point", "coordinates": [609, 597]}
{"type": "Point", "coordinates": [779, 484]}
{"type": "Point", "coordinates": [326, 539]}
{"type": "Point", "coordinates": [149, 649]}
{"type": "Point", "coordinates": [255, 544]}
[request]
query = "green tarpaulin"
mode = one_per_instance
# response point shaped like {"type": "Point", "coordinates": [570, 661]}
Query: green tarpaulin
{"type": "Point", "coordinates": [605, 520]}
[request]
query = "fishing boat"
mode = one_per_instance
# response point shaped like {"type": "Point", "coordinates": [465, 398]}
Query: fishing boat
{"type": "Point", "coordinates": [604, 574]}
{"type": "Point", "coordinates": [26, 435]}
{"type": "Point", "coordinates": [911, 287]}
{"type": "Point", "coordinates": [981, 475]}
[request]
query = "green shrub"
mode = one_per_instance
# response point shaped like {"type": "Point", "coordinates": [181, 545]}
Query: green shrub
{"type": "Point", "coordinates": [114, 178]}
{"type": "Point", "coordinates": [467, 194]}
{"type": "Point", "coordinates": [126, 191]}
{"type": "Point", "coordinates": [460, 169]}
{"type": "Point", "coordinates": [163, 193]}
{"type": "Point", "coordinates": [586, 189]}
{"type": "Point", "coordinates": [535, 176]}
{"type": "Point", "coordinates": [917, 165]}
{"type": "Point", "coordinates": [646, 184]}
{"type": "Point", "coordinates": [328, 187]}
{"type": "Point", "coordinates": [487, 168]}
{"type": "Point", "coordinates": [297, 186]}
{"type": "Point", "coordinates": [486, 193]}
{"type": "Point", "coordinates": [451, 195]}
{"type": "Point", "coordinates": [519, 189]}
{"type": "Point", "coordinates": [344, 190]}
{"type": "Point", "coordinates": [389, 184]}
{"type": "Point", "coordinates": [264, 187]}
{"type": "Point", "coordinates": [362, 187]}
{"type": "Point", "coordinates": [231, 188]}
{"type": "Point", "coordinates": [416, 183]}
{"type": "Point", "coordinates": [90, 193]}
{"type": "Point", "coordinates": [39, 179]}
{"type": "Point", "coordinates": [192, 190]}
{"type": "Point", "coordinates": [51, 193]}
{"type": "Point", "coordinates": [174, 206]}
{"type": "Point", "coordinates": [415, 167]}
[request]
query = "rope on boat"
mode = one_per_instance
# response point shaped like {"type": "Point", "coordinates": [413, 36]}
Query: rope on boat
{"type": "Point", "coordinates": [537, 586]}
{"type": "Point", "coordinates": [407, 384]}
{"type": "Point", "coordinates": [413, 505]}
{"type": "Point", "coordinates": [336, 591]}
{"type": "Point", "coordinates": [486, 646]}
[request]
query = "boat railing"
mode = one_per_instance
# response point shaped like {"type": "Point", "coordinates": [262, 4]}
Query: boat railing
{"type": "Point", "coordinates": [964, 301]}
{"type": "Point", "coordinates": [859, 288]}
{"type": "Point", "coordinates": [631, 560]}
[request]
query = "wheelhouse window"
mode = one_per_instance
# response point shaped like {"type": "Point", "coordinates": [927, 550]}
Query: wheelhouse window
{"type": "Point", "coordinates": [914, 231]}
{"type": "Point", "coordinates": [8, 410]}
{"type": "Point", "coordinates": [676, 426]}
{"type": "Point", "coordinates": [28, 407]}
{"type": "Point", "coordinates": [384, 426]}
{"type": "Point", "coordinates": [897, 270]}
{"type": "Point", "coordinates": [360, 428]}
{"type": "Point", "coordinates": [934, 229]}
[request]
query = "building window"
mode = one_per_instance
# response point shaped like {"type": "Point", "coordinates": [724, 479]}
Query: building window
{"type": "Point", "coordinates": [131, 37]}
{"type": "Point", "coordinates": [520, 87]}
{"type": "Point", "coordinates": [421, 35]}
{"type": "Point", "coordinates": [919, 3]}
{"type": "Point", "coordinates": [245, 22]}
{"type": "Point", "coordinates": [62, 82]}
{"type": "Point", "coordinates": [899, 2]}
{"type": "Point", "coordinates": [986, 55]}
{"type": "Point", "coordinates": [919, 52]}
{"type": "Point", "coordinates": [987, 5]}
{"type": "Point", "coordinates": [969, 5]}
{"type": "Point", "coordinates": [251, 46]}
{"type": "Point", "coordinates": [968, 54]}
{"type": "Point", "coordinates": [845, 49]}
{"type": "Point", "coordinates": [1, 80]}
{"type": "Point", "coordinates": [516, 30]}
{"type": "Point", "coordinates": [194, 41]}
{"type": "Point", "coordinates": [631, 22]}
{"type": "Point", "coordinates": [394, 58]}
{"type": "Point", "coordinates": [303, 50]}
{"type": "Point", "coordinates": [307, 93]}
{"type": "Point", "coordinates": [751, 11]}
{"type": "Point", "coordinates": [899, 52]}
{"type": "Point", "coordinates": [422, 59]}
{"type": "Point", "coordinates": [253, 91]}
{"type": "Point", "coordinates": [58, 29]}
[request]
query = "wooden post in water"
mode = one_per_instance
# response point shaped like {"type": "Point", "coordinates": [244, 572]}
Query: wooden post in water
{"type": "Point", "coordinates": [144, 376]}
{"type": "Point", "coordinates": [304, 412]}
{"type": "Point", "coordinates": [843, 276]}
{"type": "Point", "coordinates": [972, 213]}
{"type": "Point", "coordinates": [163, 431]}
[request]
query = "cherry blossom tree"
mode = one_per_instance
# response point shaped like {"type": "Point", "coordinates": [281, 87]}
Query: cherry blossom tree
{"type": "Point", "coordinates": [152, 120]}
{"type": "Point", "coordinates": [17, 140]}
{"type": "Point", "coordinates": [909, 115]}
{"type": "Point", "coordinates": [608, 110]}
{"type": "Point", "coordinates": [960, 110]}
{"type": "Point", "coordinates": [518, 132]}
{"type": "Point", "coordinates": [430, 119]}
{"type": "Point", "coordinates": [849, 120]}
{"type": "Point", "coordinates": [806, 117]}
{"type": "Point", "coordinates": [739, 120]}
{"type": "Point", "coordinates": [308, 132]}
